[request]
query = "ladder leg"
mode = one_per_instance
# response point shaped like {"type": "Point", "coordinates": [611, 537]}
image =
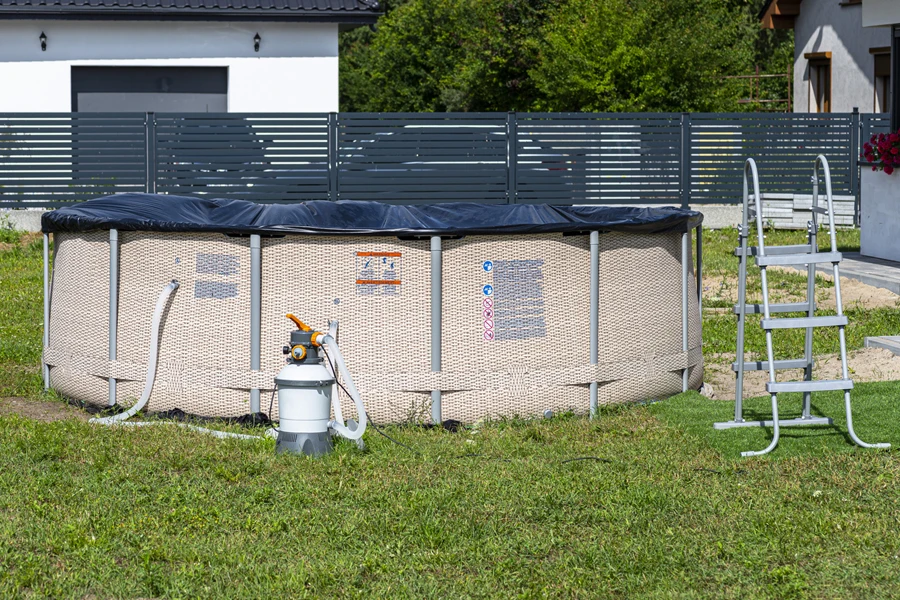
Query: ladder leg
{"type": "Point", "coordinates": [770, 355]}
{"type": "Point", "coordinates": [775, 435]}
{"type": "Point", "coordinates": [742, 317]}
{"type": "Point", "coordinates": [844, 374]}
{"type": "Point", "coordinates": [850, 429]}
{"type": "Point", "coordinates": [811, 299]}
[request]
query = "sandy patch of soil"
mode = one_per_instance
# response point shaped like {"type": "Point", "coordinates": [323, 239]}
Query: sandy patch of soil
{"type": "Point", "coordinates": [41, 410]}
{"type": "Point", "coordinates": [865, 364]}
{"type": "Point", "coordinates": [24, 241]}
{"type": "Point", "coordinates": [854, 294]}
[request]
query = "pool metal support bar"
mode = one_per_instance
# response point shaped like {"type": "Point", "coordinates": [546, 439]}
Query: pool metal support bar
{"type": "Point", "coordinates": [685, 272]}
{"type": "Point", "coordinates": [44, 367]}
{"type": "Point", "coordinates": [436, 299]}
{"type": "Point", "coordinates": [113, 307]}
{"type": "Point", "coordinates": [595, 315]}
{"type": "Point", "coordinates": [255, 314]}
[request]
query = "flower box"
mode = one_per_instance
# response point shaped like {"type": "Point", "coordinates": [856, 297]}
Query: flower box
{"type": "Point", "coordinates": [879, 208]}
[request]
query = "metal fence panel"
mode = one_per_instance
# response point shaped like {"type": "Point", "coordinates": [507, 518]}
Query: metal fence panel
{"type": "Point", "coordinates": [413, 158]}
{"type": "Point", "coordinates": [49, 160]}
{"type": "Point", "coordinates": [265, 158]}
{"type": "Point", "coordinates": [874, 123]}
{"type": "Point", "coordinates": [784, 146]}
{"type": "Point", "coordinates": [597, 158]}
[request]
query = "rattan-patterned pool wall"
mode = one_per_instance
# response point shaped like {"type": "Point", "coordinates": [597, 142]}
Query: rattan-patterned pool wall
{"type": "Point", "coordinates": [515, 328]}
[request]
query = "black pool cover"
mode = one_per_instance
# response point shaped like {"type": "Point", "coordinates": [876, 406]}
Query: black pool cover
{"type": "Point", "coordinates": [155, 212]}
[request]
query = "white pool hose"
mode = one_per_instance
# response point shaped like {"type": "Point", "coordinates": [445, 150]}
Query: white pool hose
{"type": "Point", "coordinates": [153, 358]}
{"type": "Point", "coordinates": [338, 424]}
{"type": "Point", "coordinates": [151, 361]}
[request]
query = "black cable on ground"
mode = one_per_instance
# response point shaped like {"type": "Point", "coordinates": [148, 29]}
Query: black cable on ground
{"type": "Point", "coordinates": [272, 400]}
{"type": "Point", "coordinates": [349, 395]}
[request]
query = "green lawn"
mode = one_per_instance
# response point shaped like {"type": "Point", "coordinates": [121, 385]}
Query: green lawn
{"type": "Point", "coordinates": [655, 503]}
{"type": "Point", "coordinates": [719, 330]}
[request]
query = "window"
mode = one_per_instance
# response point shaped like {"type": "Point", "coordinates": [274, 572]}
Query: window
{"type": "Point", "coordinates": [819, 81]}
{"type": "Point", "coordinates": [882, 81]}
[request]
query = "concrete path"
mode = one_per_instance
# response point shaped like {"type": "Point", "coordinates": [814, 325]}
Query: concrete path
{"type": "Point", "coordinates": [865, 269]}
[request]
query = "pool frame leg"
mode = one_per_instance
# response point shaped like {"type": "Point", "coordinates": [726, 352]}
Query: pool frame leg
{"type": "Point", "coordinates": [113, 308]}
{"type": "Point", "coordinates": [255, 315]}
{"type": "Point", "coordinates": [436, 307]}
{"type": "Point", "coordinates": [685, 269]}
{"type": "Point", "coordinates": [45, 368]}
{"type": "Point", "coordinates": [595, 317]}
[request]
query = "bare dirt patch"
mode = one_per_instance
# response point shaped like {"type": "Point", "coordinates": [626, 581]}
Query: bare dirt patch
{"type": "Point", "coordinates": [853, 293]}
{"type": "Point", "coordinates": [41, 410]}
{"type": "Point", "coordinates": [865, 364]}
{"type": "Point", "coordinates": [24, 241]}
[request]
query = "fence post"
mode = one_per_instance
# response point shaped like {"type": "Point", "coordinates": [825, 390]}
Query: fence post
{"type": "Point", "coordinates": [512, 124]}
{"type": "Point", "coordinates": [150, 151]}
{"type": "Point", "coordinates": [854, 161]}
{"type": "Point", "coordinates": [685, 158]}
{"type": "Point", "coordinates": [333, 156]}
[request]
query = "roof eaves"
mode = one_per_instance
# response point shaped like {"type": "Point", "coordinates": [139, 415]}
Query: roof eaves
{"type": "Point", "coordinates": [147, 14]}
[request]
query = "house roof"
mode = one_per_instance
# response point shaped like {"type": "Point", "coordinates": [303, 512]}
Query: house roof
{"type": "Point", "coordinates": [325, 11]}
{"type": "Point", "coordinates": [775, 14]}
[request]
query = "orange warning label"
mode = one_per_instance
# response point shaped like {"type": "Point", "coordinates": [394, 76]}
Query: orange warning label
{"type": "Point", "coordinates": [379, 273]}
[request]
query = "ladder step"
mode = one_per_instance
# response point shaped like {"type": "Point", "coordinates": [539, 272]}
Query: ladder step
{"type": "Point", "coordinates": [804, 322]}
{"type": "Point", "coordinates": [789, 307]}
{"type": "Point", "coordinates": [823, 385]}
{"type": "Point", "coordinates": [798, 259]}
{"type": "Point", "coordinates": [820, 210]}
{"type": "Point", "coordinates": [776, 250]}
{"type": "Point", "coordinates": [763, 365]}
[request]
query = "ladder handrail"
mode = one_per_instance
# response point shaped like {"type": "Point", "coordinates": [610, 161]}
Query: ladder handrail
{"type": "Point", "coordinates": [821, 161]}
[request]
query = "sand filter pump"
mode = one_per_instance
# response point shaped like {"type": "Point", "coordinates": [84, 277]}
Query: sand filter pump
{"type": "Point", "coordinates": [305, 388]}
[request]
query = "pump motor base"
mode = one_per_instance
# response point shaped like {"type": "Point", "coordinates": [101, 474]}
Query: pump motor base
{"type": "Point", "coordinates": [310, 444]}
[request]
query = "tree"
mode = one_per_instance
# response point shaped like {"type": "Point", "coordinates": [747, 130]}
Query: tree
{"type": "Point", "coordinates": [642, 55]}
{"type": "Point", "coordinates": [445, 55]}
{"type": "Point", "coordinates": [571, 55]}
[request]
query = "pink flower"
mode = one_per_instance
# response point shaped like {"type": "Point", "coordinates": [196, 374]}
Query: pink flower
{"type": "Point", "coordinates": [895, 150]}
{"type": "Point", "coordinates": [874, 168]}
{"type": "Point", "coordinates": [889, 169]}
{"type": "Point", "coordinates": [894, 138]}
{"type": "Point", "coordinates": [867, 147]}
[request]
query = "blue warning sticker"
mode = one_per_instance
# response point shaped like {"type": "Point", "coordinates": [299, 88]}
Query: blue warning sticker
{"type": "Point", "coordinates": [513, 303]}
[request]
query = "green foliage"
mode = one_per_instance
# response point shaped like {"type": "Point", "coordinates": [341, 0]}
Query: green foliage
{"type": "Point", "coordinates": [444, 55]}
{"type": "Point", "coordinates": [574, 55]}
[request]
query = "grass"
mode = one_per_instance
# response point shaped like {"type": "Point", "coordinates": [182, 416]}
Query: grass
{"type": "Point", "coordinates": [719, 326]}
{"type": "Point", "coordinates": [646, 501]}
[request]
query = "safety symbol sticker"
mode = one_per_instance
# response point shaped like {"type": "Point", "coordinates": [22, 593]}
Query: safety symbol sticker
{"type": "Point", "coordinates": [488, 290]}
{"type": "Point", "coordinates": [488, 266]}
{"type": "Point", "coordinates": [487, 302]}
{"type": "Point", "coordinates": [379, 273]}
{"type": "Point", "coordinates": [488, 334]}
{"type": "Point", "coordinates": [488, 313]}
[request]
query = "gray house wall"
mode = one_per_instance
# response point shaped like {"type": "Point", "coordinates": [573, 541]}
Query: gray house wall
{"type": "Point", "coordinates": [830, 26]}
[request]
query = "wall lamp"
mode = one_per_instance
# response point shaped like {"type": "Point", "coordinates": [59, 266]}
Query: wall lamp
{"type": "Point", "coordinates": [43, 38]}
{"type": "Point", "coordinates": [256, 41]}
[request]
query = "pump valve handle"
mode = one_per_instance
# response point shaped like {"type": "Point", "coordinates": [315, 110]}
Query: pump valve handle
{"type": "Point", "coordinates": [300, 324]}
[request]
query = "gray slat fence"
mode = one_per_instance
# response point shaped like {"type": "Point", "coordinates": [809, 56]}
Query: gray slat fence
{"type": "Point", "coordinates": [49, 160]}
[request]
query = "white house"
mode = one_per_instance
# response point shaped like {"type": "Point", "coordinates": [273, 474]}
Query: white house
{"type": "Point", "coordinates": [838, 63]}
{"type": "Point", "coordinates": [173, 55]}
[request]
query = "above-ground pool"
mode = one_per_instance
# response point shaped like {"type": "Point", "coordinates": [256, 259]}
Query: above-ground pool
{"type": "Point", "coordinates": [453, 311]}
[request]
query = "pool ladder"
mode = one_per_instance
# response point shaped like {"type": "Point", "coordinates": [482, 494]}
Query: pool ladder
{"type": "Point", "coordinates": [806, 254]}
